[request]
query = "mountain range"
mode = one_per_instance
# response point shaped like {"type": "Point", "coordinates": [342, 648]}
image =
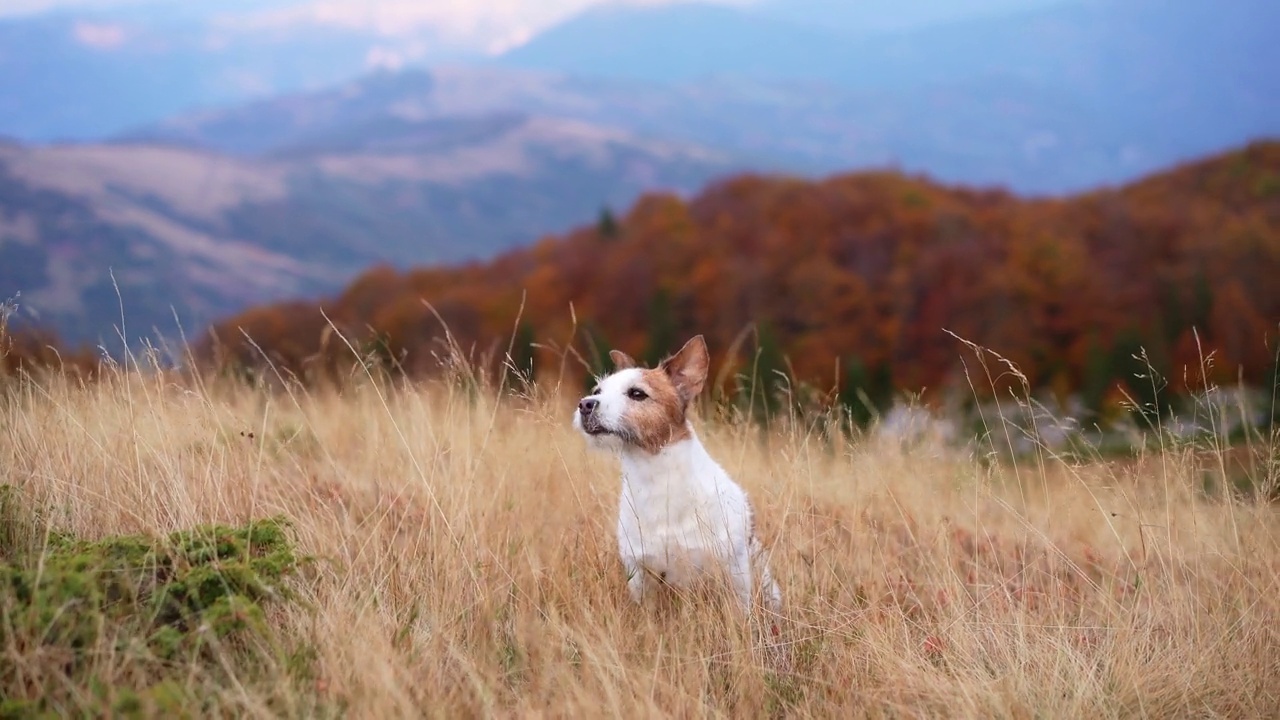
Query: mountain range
{"type": "Point", "coordinates": [1143, 81]}
{"type": "Point", "coordinates": [162, 168]}
{"type": "Point", "coordinates": [89, 71]}
{"type": "Point", "coordinates": [89, 233]}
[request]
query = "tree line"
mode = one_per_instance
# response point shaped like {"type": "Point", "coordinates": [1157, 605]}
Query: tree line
{"type": "Point", "coordinates": [857, 286]}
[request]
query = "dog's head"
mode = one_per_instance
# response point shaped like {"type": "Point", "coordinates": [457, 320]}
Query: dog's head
{"type": "Point", "coordinates": [643, 408]}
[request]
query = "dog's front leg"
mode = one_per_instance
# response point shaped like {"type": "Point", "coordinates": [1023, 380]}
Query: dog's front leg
{"type": "Point", "coordinates": [740, 576]}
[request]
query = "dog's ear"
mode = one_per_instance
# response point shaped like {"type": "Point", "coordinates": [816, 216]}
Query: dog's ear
{"type": "Point", "coordinates": [688, 368]}
{"type": "Point", "coordinates": [621, 360]}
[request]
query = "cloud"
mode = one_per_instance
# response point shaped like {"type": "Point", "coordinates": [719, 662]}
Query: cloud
{"type": "Point", "coordinates": [491, 26]}
{"type": "Point", "coordinates": [14, 8]}
{"type": "Point", "coordinates": [99, 36]}
{"type": "Point", "coordinates": [385, 58]}
{"type": "Point", "coordinates": [482, 24]}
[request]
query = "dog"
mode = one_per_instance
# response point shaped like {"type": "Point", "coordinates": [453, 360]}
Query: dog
{"type": "Point", "coordinates": [681, 518]}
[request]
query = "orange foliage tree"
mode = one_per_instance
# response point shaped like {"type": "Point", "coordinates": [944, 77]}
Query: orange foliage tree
{"type": "Point", "coordinates": [857, 279]}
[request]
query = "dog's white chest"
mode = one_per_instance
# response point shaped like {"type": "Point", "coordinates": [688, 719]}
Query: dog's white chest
{"type": "Point", "coordinates": [677, 517]}
{"type": "Point", "coordinates": [671, 534]}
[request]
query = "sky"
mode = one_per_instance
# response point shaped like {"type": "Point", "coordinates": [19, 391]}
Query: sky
{"type": "Point", "coordinates": [470, 26]}
{"type": "Point", "coordinates": [491, 25]}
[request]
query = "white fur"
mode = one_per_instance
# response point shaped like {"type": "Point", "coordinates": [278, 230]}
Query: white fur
{"type": "Point", "coordinates": [681, 517]}
{"type": "Point", "coordinates": [613, 405]}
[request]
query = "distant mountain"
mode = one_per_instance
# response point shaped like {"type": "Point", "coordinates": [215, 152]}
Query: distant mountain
{"type": "Point", "coordinates": [85, 72]}
{"type": "Point", "coordinates": [202, 234]}
{"type": "Point", "coordinates": [1082, 45]}
{"type": "Point", "coordinates": [1017, 132]}
{"type": "Point", "coordinates": [681, 42]}
{"type": "Point", "coordinates": [1176, 70]}
{"type": "Point", "coordinates": [1145, 82]}
{"type": "Point", "coordinates": [855, 17]}
{"type": "Point", "coordinates": [1039, 95]}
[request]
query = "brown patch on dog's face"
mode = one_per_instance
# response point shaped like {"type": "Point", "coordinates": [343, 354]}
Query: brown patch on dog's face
{"type": "Point", "coordinates": [646, 408]}
{"type": "Point", "coordinates": [658, 419]}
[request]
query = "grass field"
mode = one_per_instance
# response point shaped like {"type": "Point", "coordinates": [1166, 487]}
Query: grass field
{"type": "Point", "coordinates": [463, 564]}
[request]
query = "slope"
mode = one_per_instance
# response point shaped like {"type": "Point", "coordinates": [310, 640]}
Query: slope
{"type": "Point", "coordinates": [207, 233]}
{"type": "Point", "coordinates": [855, 279]}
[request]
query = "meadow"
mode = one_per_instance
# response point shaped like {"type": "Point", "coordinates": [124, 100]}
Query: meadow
{"type": "Point", "coordinates": [450, 552]}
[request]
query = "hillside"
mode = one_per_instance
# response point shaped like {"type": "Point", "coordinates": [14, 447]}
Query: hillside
{"type": "Point", "coordinates": [855, 279]}
{"type": "Point", "coordinates": [205, 234]}
{"type": "Point", "coordinates": [374, 553]}
{"type": "Point", "coordinates": [791, 126]}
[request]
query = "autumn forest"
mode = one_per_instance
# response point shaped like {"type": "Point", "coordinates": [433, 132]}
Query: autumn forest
{"type": "Point", "coordinates": [858, 285]}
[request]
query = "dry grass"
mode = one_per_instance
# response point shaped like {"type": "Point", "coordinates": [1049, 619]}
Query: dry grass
{"type": "Point", "coordinates": [469, 564]}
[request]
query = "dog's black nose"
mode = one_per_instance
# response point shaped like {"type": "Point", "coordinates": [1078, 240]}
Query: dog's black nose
{"type": "Point", "coordinates": [586, 406]}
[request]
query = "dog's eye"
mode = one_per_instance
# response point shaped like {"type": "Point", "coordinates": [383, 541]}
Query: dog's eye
{"type": "Point", "coordinates": [595, 390]}
{"type": "Point", "coordinates": [637, 394]}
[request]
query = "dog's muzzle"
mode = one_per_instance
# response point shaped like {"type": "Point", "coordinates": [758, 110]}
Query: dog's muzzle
{"type": "Point", "coordinates": [590, 420]}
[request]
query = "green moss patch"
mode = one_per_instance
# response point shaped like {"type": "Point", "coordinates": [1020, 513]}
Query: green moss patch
{"type": "Point", "coordinates": [133, 624]}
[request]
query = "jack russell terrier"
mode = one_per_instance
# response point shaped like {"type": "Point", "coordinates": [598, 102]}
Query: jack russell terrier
{"type": "Point", "coordinates": [681, 517]}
